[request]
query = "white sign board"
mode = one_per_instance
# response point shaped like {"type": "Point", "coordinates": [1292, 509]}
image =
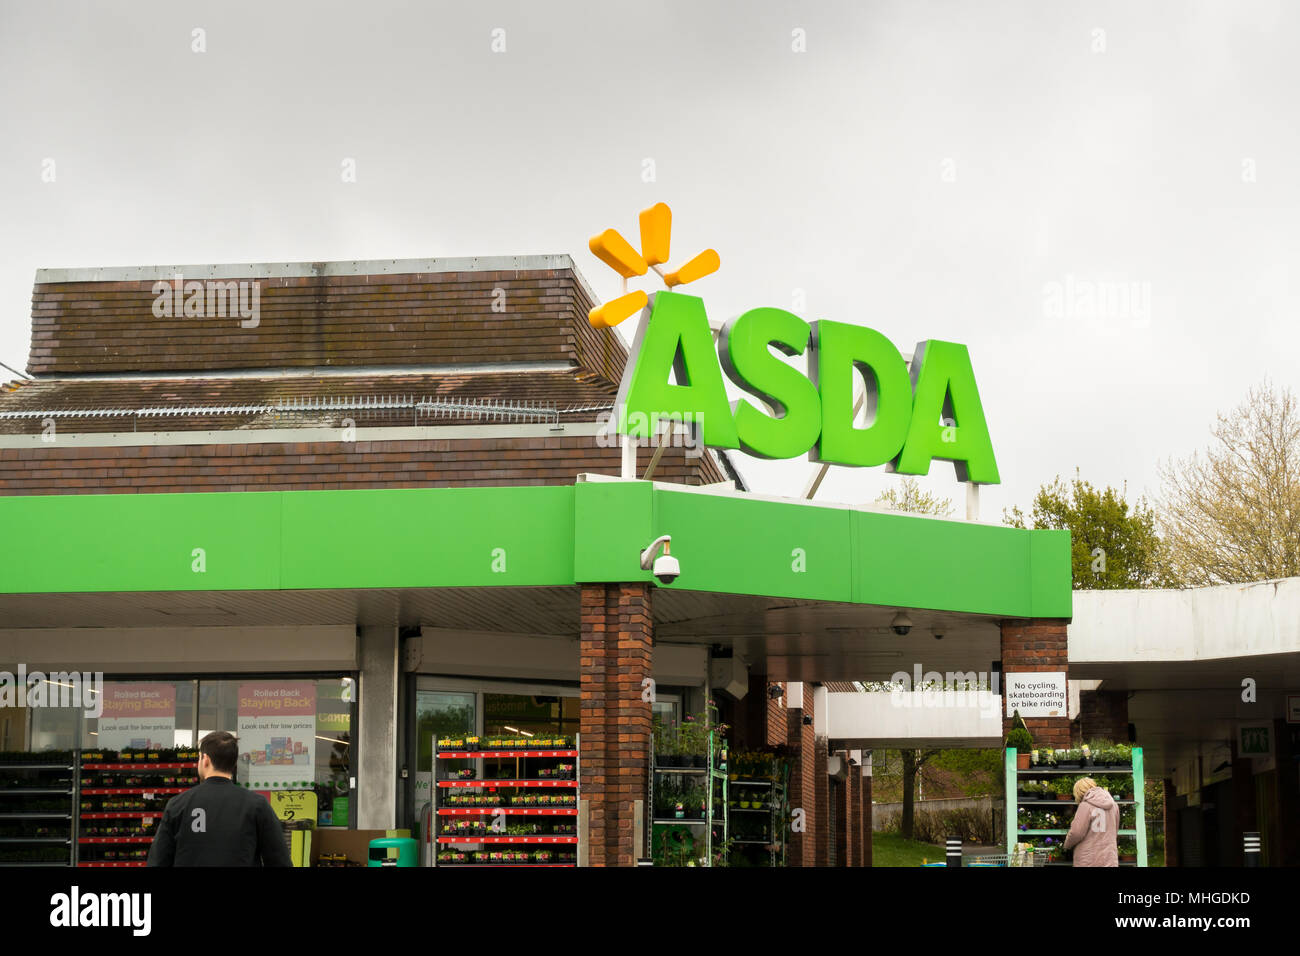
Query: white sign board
{"type": "Point", "coordinates": [1036, 694]}
{"type": "Point", "coordinates": [1293, 708]}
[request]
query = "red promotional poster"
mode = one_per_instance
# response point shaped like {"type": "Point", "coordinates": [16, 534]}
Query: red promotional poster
{"type": "Point", "coordinates": [277, 734]}
{"type": "Point", "coordinates": [138, 716]}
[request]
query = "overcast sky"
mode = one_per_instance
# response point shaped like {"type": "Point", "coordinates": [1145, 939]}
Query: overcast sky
{"type": "Point", "coordinates": [972, 171]}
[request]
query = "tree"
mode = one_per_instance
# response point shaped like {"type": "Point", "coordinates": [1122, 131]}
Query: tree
{"type": "Point", "coordinates": [913, 761]}
{"type": "Point", "coordinates": [1232, 514]}
{"type": "Point", "coordinates": [1112, 544]}
{"type": "Point", "coordinates": [911, 497]}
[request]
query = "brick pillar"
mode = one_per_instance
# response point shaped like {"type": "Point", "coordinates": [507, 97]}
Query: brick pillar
{"type": "Point", "coordinates": [822, 857]}
{"type": "Point", "coordinates": [1038, 645]}
{"type": "Point", "coordinates": [1171, 823]}
{"type": "Point", "coordinates": [852, 814]}
{"type": "Point", "coordinates": [867, 826]}
{"type": "Point", "coordinates": [803, 779]}
{"type": "Point", "coordinates": [614, 658]}
{"type": "Point", "coordinates": [777, 716]}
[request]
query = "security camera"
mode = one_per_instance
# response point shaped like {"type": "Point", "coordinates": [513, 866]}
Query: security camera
{"type": "Point", "coordinates": [902, 624]}
{"type": "Point", "coordinates": [665, 567]}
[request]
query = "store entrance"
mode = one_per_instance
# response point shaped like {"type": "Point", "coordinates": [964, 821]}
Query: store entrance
{"type": "Point", "coordinates": [451, 706]}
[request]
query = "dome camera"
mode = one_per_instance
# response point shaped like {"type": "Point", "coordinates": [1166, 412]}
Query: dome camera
{"type": "Point", "coordinates": [665, 567]}
{"type": "Point", "coordinates": [902, 624]}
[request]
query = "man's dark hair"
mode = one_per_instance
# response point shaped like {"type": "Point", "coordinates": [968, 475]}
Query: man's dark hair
{"type": "Point", "coordinates": [222, 748]}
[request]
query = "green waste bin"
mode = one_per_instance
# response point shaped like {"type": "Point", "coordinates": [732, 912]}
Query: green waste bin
{"type": "Point", "coordinates": [393, 851]}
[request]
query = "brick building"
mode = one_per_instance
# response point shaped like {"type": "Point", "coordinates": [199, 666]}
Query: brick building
{"type": "Point", "coordinates": [391, 487]}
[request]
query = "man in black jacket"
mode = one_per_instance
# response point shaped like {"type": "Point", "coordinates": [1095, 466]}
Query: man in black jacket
{"type": "Point", "coordinates": [218, 823]}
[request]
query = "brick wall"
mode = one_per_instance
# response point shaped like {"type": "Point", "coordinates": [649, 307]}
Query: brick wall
{"type": "Point", "coordinates": [867, 828]}
{"type": "Point", "coordinates": [803, 780]}
{"type": "Point", "coordinates": [822, 818]}
{"type": "Point", "coordinates": [777, 730]}
{"type": "Point", "coordinates": [1102, 714]}
{"type": "Point", "coordinates": [1037, 646]}
{"type": "Point", "coordinates": [614, 655]}
{"type": "Point", "coordinates": [327, 465]}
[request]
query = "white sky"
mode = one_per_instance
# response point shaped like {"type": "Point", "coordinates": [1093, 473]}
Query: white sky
{"type": "Point", "coordinates": [924, 168]}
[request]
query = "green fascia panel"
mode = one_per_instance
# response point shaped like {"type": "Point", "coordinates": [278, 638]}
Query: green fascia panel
{"type": "Point", "coordinates": [428, 537]}
{"type": "Point", "coordinates": [613, 522]}
{"type": "Point", "coordinates": [749, 546]}
{"type": "Point", "coordinates": [906, 561]}
{"type": "Point", "coordinates": [527, 536]}
{"type": "Point", "coordinates": [72, 543]}
{"type": "Point", "coordinates": [1049, 565]}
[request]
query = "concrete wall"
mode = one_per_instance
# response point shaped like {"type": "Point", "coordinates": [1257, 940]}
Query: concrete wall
{"type": "Point", "coordinates": [183, 650]}
{"type": "Point", "coordinates": [1232, 620]}
{"type": "Point", "coordinates": [915, 719]}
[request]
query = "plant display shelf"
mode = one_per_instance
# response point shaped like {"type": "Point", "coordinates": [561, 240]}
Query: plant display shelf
{"type": "Point", "coordinates": [137, 766]}
{"type": "Point", "coordinates": [1014, 802]}
{"type": "Point", "coordinates": [494, 754]}
{"type": "Point", "coordinates": [508, 811]}
{"type": "Point", "coordinates": [115, 863]}
{"type": "Point", "coordinates": [715, 782]}
{"type": "Point", "coordinates": [1085, 771]}
{"type": "Point", "coordinates": [17, 806]}
{"type": "Point", "coordinates": [522, 781]}
{"type": "Point", "coordinates": [96, 779]}
{"type": "Point", "coordinates": [774, 808]}
{"type": "Point", "coordinates": [483, 838]}
{"type": "Point", "coordinates": [447, 784]}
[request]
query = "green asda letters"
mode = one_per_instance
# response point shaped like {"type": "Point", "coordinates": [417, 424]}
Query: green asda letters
{"type": "Point", "coordinates": [935, 412]}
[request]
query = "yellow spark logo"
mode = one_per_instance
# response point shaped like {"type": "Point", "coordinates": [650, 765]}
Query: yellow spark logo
{"type": "Point", "coordinates": [617, 253]}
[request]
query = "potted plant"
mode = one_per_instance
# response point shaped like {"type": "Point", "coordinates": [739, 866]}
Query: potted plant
{"type": "Point", "coordinates": [1127, 850]}
{"type": "Point", "coordinates": [1064, 788]}
{"type": "Point", "coordinates": [1071, 759]}
{"type": "Point", "coordinates": [1019, 740]}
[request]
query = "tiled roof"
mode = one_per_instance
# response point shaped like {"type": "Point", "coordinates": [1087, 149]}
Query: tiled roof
{"type": "Point", "coordinates": [327, 317]}
{"type": "Point", "coordinates": [574, 394]}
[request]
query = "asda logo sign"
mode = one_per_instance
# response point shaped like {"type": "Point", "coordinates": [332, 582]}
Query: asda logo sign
{"type": "Point", "coordinates": [931, 411]}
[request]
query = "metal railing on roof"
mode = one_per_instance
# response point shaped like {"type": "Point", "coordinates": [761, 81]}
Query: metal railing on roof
{"type": "Point", "coordinates": [501, 410]}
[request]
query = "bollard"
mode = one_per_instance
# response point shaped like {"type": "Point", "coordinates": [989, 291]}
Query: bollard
{"type": "Point", "coordinates": [954, 851]}
{"type": "Point", "coordinates": [1250, 844]}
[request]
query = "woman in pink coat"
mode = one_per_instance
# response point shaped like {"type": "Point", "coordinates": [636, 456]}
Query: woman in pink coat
{"type": "Point", "coordinates": [1095, 830]}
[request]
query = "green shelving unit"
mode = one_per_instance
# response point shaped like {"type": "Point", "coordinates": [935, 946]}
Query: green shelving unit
{"type": "Point", "coordinates": [715, 784]}
{"type": "Point", "coordinates": [1014, 803]}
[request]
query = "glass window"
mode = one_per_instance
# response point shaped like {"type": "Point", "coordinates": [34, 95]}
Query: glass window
{"type": "Point", "coordinates": [294, 734]}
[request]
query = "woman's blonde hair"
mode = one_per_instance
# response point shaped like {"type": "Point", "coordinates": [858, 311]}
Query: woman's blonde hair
{"type": "Point", "coordinates": [1082, 786]}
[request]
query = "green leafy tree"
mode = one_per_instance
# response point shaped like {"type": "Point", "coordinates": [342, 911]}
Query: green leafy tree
{"type": "Point", "coordinates": [1113, 544]}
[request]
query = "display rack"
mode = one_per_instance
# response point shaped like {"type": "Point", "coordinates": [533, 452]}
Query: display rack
{"type": "Point", "coordinates": [537, 798]}
{"type": "Point", "coordinates": [122, 797]}
{"type": "Point", "coordinates": [38, 802]}
{"type": "Point", "coordinates": [772, 815]}
{"type": "Point", "coordinates": [713, 821]}
{"type": "Point", "coordinates": [1014, 801]}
